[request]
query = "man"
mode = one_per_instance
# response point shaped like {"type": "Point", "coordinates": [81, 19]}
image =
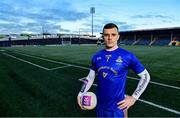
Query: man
{"type": "Point", "coordinates": [111, 66]}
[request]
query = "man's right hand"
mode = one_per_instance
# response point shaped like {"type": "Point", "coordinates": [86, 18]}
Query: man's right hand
{"type": "Point", "coordinates": [79, 103]}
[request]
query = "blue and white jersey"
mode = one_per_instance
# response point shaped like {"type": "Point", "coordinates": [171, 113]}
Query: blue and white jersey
{"type": "Point", "coordinates": [112, 68]}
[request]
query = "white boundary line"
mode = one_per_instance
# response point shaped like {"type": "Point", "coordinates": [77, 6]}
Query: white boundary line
{"type": "Point", "coordinates": [156, 83]}
{"type": "Point", "coordinates": [147, 102]}
{"type": "Point", "coordinates": [165, 85]}
{"type": "Point", "coordinates": [159, 106]}
{"type": "Point", "coordinates": [26, 61]}
{"type": "Point", "coordinates": [81, 79]}
{"type": "Point", "coordinates": [59, 67]}
{"type": "Point", "coordinates": [42, 67]}
{"type": "Point", "coordinates": [53, 61]}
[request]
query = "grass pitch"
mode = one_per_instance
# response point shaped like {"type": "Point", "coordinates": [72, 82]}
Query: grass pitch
{"type": "Point", "coordinates": [28, 89]}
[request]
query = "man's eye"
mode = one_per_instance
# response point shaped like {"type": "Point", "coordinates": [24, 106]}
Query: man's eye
{"type": "Point", "coordinates": [113, 34]}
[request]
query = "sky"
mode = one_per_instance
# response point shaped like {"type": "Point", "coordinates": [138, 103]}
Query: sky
{"type": "Point", "coordinates": [73, 16]}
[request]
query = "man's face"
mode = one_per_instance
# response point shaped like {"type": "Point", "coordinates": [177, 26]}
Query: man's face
{"type": "Point", "coordinates": [111, 37]}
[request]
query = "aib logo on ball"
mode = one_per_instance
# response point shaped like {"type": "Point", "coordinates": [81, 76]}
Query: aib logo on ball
{"type": "Point", "coordinates": [86, 100]}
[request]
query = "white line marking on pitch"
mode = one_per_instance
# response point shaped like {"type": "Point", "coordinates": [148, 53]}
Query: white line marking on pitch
{"type": "Point", "coordinates": [175, 87]}
{"type": "Point", "coordinates": [26, 61]}
{"type": "Point", "coordinates": [147, 102]}
{"type": "Point", "coordinates": [59, 67]}
{"type": "Point", "coordinates": [144, 101]}
{"type": "Point", "coordinates": [53, 61]}
{"type": "Point", "coordinates": [42, 67]}
{"type": "Point", "coordinates": [156, 83]}
{"type": "Point", "coordinates": [161, 107]}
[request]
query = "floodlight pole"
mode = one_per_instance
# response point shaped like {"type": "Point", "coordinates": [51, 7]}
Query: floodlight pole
{"type": "Point", "coordinates": [43, 31]}
{"type": "Point", "coordinates": [92, 11]}
{"type": "Point", "coordinates": [92, 25]}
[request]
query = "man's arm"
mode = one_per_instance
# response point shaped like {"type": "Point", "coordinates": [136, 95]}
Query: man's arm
{"type": "Point", "coordinates": [86, 85]}
{"type": "Point", "coordinates": [130, 100]}
{"type": "Point", "coordinates": [143, 82]}
{"type": "Point", "coordinates": [87, 82]}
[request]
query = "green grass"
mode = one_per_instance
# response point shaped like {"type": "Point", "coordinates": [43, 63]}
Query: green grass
{"type": "Point", "coordinates": [162, 62]}
{"type": "Point", "coordinates": [27, 90]}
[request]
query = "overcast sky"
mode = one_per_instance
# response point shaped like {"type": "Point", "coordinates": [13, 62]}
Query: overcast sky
{"type": "Point", "coordinates": [73, 16]}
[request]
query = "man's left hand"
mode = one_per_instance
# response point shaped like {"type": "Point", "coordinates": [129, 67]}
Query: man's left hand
{"type": "Point", "coordinates": [126, 103]}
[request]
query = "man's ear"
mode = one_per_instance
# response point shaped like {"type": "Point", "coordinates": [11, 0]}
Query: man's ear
{"type": "Point", "coordinates": [118, 36]}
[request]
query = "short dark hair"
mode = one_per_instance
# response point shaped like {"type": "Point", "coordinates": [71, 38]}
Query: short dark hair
{"type": "Point", "coordinates": [110, 25]}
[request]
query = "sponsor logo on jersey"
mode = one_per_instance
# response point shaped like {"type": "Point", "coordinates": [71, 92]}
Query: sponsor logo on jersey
{"type": "Point", "coordinates": [108, 68]}
{"type": "Point", "coordinates": [98, 58]}
{"type": "Point", "coordinates": [104, 74]}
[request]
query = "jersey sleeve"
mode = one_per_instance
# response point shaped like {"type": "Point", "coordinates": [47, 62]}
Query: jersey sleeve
{"type": "Point", "coordinates": [136, 65]}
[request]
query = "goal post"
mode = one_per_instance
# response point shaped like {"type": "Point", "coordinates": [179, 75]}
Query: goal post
{"type": "Point", "coordinates": [66, 41]}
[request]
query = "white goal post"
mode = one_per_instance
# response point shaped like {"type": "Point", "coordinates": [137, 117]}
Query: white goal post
{"type": "Point", "coordinates": [66, 41]}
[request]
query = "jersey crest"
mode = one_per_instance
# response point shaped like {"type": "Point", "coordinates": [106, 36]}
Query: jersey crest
{"type": "Point", "coordinates": [119, 60]}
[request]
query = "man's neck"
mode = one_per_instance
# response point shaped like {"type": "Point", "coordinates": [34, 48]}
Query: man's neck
{"type": "Point", "coordinates": [112, 48]}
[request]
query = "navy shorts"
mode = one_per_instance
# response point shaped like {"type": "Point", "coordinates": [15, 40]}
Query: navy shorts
{"type": "Point", "coordinates": [109, 113]}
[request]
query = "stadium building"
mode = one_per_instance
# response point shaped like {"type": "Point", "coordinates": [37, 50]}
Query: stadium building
{"type": "Point", "coordinates": [149, 37]}
{"type": "Point", "coordinates": [163, 36]}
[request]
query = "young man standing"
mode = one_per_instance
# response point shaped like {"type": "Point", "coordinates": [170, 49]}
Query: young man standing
{"type": "Point", "coordinates": [111, 66]}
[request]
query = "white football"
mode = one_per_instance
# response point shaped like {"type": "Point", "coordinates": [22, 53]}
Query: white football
{"type": "Point", "coordinates": [88, 100]}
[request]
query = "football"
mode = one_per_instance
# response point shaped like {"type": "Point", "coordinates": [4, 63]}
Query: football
{"type": "Point", "coordinates": [88, 100]}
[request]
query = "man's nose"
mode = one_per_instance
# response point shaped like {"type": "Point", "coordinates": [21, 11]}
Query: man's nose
{"type": "Point", "coordinates": [110, 37]}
